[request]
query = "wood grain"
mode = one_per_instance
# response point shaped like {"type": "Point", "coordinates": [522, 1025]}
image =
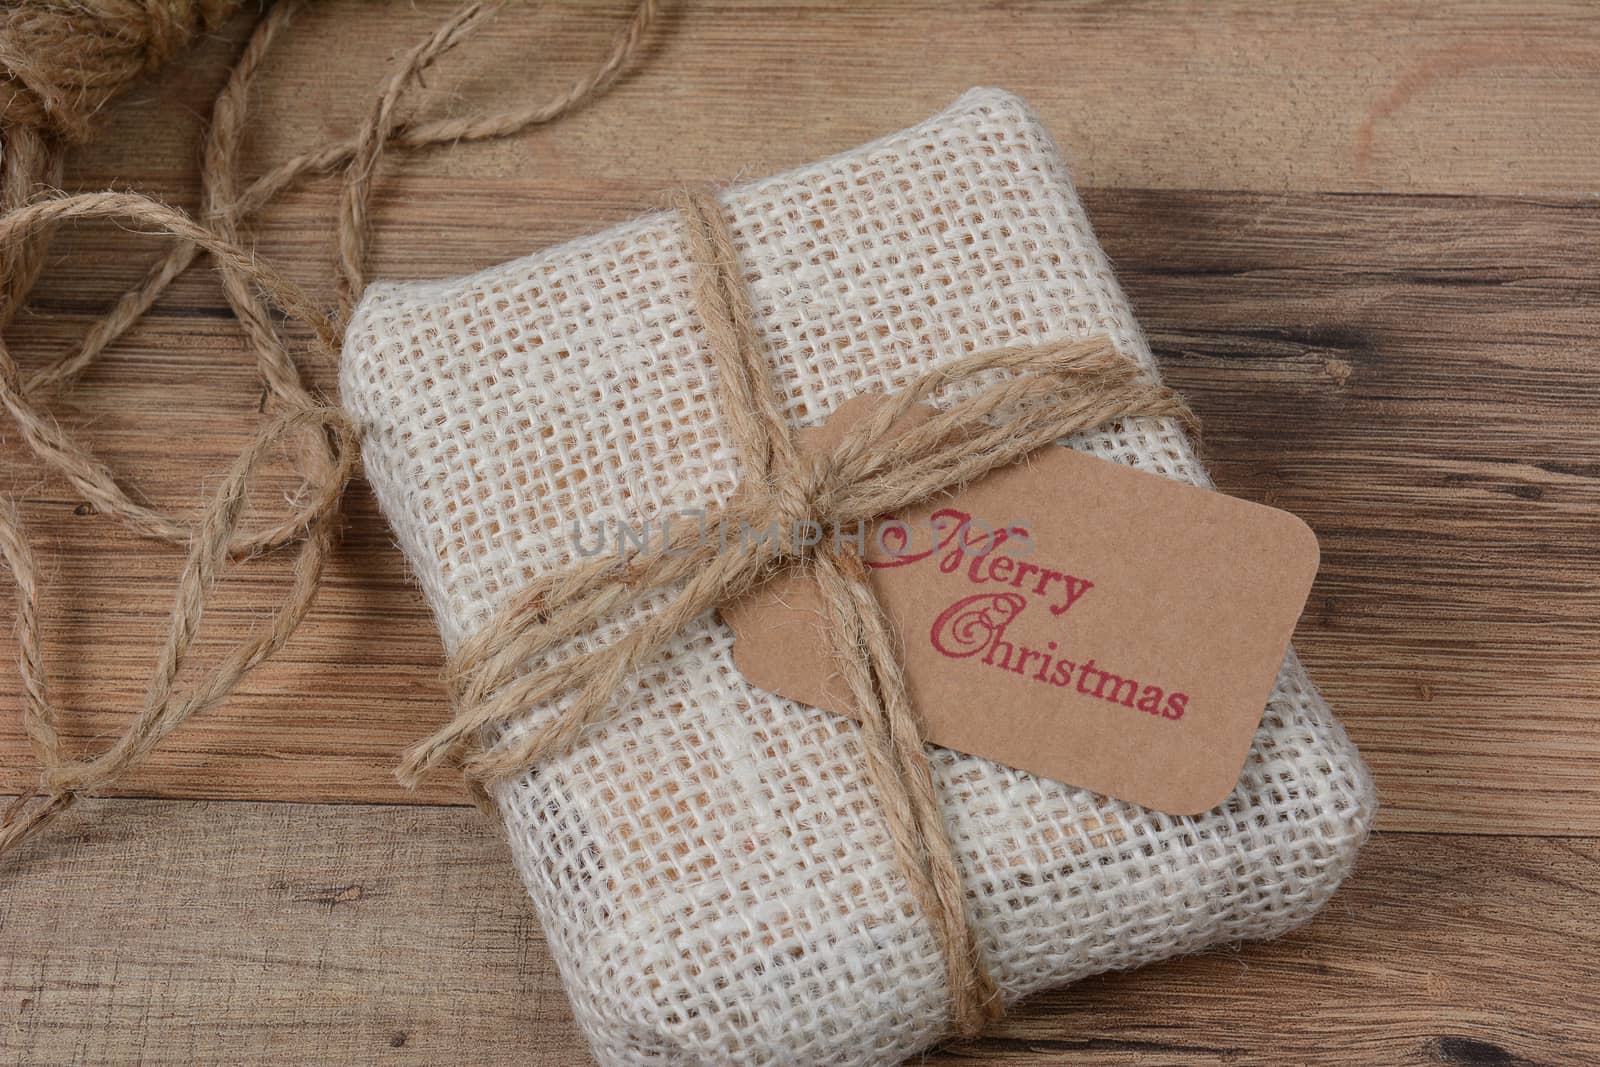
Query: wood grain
{"type": "Point", "coordinates": [1411, 377]}
{"type": "Point", "coordinates": [1407, 374]}
{"type": "Point", "coordinates": [1481, 97]}
{"type": "Point", "coordinates": [278, 933]}
{"type": "Point", "coordinates": [1410, 373]}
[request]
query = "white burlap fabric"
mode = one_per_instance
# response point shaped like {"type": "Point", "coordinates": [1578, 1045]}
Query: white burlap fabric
{"type": "Point", "coordinates": [710, 867]}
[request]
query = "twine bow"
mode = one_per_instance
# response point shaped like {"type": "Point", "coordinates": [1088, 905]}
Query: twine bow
{"type": "Point", "coordinates": [1055, 390]}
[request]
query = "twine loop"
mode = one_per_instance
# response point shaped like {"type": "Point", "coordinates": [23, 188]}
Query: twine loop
{"type": "Point", "coordinates": [44, 46]}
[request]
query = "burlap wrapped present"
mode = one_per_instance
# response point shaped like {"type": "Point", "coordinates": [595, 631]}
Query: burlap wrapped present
{"type": "Point", "coordinates": [709, 866]}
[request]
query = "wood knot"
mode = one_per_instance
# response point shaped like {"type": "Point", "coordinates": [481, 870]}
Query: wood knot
{"type": "Point", "coordinates": [331, 897]}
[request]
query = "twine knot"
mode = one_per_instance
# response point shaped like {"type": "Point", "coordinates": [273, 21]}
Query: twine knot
{"type": "Point", "coordinates": [806, 497]}
{"type": "Point", "coordinates": [60, 62]}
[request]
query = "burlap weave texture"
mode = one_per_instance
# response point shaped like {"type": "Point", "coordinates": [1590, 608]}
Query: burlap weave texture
{"type": "Point", "coordinates": [710, 867]}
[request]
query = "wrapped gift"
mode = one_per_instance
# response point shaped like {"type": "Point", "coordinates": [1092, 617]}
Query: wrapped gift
{"type": "Point", "coordinates": [710, 866]}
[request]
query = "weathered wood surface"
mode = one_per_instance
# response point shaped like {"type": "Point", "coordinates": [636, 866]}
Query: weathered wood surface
{"type": "Point", "coordinates": [1484, 97]}
{"type": "Point", "coordinates": [179, 932]}
{"type": "Point", "coordinates": [1362, 239]}
{"type": "Point", "coordinates": [1407, 374]}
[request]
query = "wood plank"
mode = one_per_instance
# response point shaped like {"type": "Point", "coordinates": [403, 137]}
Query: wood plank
{"type": "Point", "coordinates": [1484, 97]}
{"type": "Point", "coordinates": [1410, 377]}
{"type": "Point", "coordinates": [266, 934]}
{"type": "Point", "coordinates": [1408, 374]}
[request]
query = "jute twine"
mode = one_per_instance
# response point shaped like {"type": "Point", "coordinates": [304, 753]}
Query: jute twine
{"type": "Point", "coordinates": [315, 431]}
{"type": "Point", "coordinates": [1050, 392]}
{"type": "Point", "coordinates": [60, 62]}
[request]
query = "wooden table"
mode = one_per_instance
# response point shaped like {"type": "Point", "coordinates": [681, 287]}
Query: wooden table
{"type": "Point", "coordinates": [1362, 238]}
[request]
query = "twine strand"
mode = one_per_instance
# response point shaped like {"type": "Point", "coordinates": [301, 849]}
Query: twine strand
{"type": "Point", "coordinates": [59, 64]}
{"type": "Point", "coordinates": [898, 771]}
{"type": "Point", "coordinates": [354, 228]}
{"type": "Point", "coordinates": [317, 435]}
{"type": "Point", "coordinates": [408, 135]}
